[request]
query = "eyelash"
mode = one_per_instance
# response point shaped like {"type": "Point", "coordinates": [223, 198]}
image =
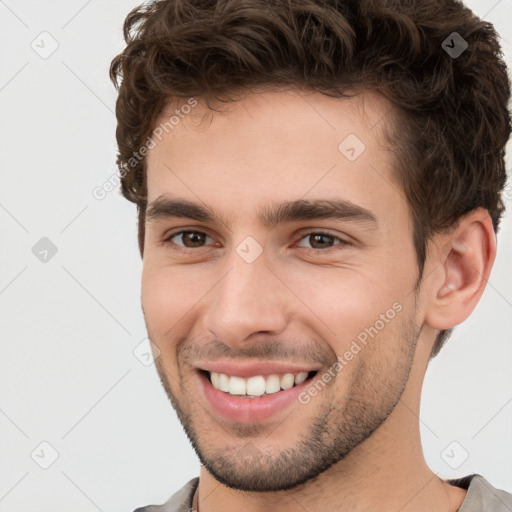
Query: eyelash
{"type": "Point", "coordinates": [179, 248]}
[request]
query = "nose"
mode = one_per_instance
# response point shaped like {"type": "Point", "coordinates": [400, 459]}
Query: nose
{"type": "Point", "coordinates": [249, 299]}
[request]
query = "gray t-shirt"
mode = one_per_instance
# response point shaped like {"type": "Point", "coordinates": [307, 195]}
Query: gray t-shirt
{"type": "Point", "coordinates": [481, 497]}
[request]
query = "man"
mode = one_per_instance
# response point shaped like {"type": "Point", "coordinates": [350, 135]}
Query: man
{"type": "Point", "coordinates": [318, 185]}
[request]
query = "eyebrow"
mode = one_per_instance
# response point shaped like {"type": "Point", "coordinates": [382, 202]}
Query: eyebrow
{"type": "Point", "coordinates": [270, 216]}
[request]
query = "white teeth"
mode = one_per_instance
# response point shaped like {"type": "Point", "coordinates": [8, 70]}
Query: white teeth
{"type": "Point", "coordinates": [223, 382]}
{"type": "Point", "coordinates": [273, 384]}
{"type": "Point", "coordinates": [287, 380]}
{"type": "Point", "coordinates": [300, 377]}
{"type": "Point", "coordinates": [237, 386]}
{"type": "Point", "coordinates": [257, 385]}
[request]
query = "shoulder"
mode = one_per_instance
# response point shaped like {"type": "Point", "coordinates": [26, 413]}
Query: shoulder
{"type": "Point", "coordinates": [482, 495]}
{"type": "Point", "coordinates": [180, 501]}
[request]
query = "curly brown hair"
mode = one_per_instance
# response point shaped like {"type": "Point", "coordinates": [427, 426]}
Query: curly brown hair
{"type": "Point", "coordinates": [453, 109]}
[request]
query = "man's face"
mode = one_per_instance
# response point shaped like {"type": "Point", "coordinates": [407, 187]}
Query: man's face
{"type": "Point", "coordinates": [248, 298]}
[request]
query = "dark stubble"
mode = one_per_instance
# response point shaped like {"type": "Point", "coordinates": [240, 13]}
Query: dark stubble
{"type": "Point", "coordinates": [341, 425]}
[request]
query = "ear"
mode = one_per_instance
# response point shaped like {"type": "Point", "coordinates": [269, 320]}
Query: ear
{"type": "Point", "coordinates": [459, 268]}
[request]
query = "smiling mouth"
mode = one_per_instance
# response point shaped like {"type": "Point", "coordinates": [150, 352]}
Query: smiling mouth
{"type": "Point", "coordinates": [258, 385]}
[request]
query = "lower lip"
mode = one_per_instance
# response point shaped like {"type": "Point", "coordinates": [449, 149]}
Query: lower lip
{"type": "Point", "coordinates": [250, 410]}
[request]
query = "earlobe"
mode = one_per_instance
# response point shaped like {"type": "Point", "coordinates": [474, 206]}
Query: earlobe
{"type": "Point", "coordinates": [460, 270]}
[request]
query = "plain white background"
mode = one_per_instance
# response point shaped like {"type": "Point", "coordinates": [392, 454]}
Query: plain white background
{"type": "Point", "coordinates": [69, 377]}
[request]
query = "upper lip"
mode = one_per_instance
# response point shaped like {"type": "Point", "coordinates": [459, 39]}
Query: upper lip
{"type": "Point", "coordinates": [248, 369]}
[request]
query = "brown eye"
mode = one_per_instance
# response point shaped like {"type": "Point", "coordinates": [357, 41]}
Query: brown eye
{"type": "Point", "coordinates": [189, 239]}
{"type": "Point", "coordinates": [320, 240]}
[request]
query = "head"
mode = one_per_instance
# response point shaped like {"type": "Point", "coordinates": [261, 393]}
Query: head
{"type": "Point", "coordinates": [260, 112]}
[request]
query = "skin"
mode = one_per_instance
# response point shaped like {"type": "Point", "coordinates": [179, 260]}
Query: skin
{"type": "Point", "coordinates": [356, 444]}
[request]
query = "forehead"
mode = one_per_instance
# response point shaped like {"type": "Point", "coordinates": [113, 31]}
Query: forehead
{"type": "Point", "coordinates": [274, 109]}
{"type": "Point", "coordinates": [275, 145]}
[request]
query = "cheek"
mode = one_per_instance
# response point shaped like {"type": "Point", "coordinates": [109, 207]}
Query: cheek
{"type": "Point", "coordinates": [170, 297]}
{"type": "Point", "coordinates": [347, 304]}
{"type": "Point", "coordinates": [163, 299]}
